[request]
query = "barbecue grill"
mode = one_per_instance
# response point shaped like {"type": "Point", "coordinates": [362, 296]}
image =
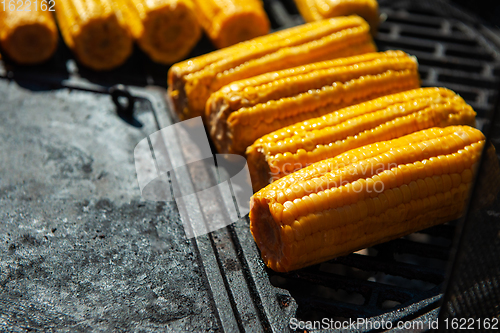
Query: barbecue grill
{"type": "Point", "coordinates": [81, 251]}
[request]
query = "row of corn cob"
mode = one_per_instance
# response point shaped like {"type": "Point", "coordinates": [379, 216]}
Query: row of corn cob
{"type": "Point", "coordinates": [101, 32]}
{"type": "Point", "coordinates": [343, 152]}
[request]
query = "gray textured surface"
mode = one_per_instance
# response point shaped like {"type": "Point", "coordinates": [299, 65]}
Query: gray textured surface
{"type": "Point", "coordinates": [79, 249]}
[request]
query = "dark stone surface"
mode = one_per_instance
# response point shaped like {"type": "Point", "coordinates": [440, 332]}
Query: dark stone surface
{"type": "Point", "coordinates": [79, 249]}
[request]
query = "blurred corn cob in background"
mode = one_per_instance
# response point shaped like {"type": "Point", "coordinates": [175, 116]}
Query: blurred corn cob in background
{"type": "Point", "coordinates": [228, 22]}
{"type": "Point", "coordinates": [166, 30]}
{"type": "Point", "coordinates": [294, 147]}
{"type": "Point", "coordinates": [28, 36]}
{"type": "Point", "coordinates": [96, 31]}
{"type": "Point", "coordinates": [243, 111]}
{"type": "Point", "coordinates": [316, 10]}
{"type": "Point", "coordinates": [191, 82]}
{"type": "Point", "coordinates": [366, 196]}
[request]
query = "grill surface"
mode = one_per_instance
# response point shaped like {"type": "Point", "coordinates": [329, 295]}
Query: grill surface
{"type": "Point", "coordinates": [397, 280]}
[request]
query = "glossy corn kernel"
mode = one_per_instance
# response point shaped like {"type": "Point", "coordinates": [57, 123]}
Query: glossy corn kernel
{"type": "Point", "coordinates": [365, 196]}
{"type": "Point", "coordinates": [28, 35]}
{"type": "Point", "coordinates": [192, 81]}
{"type": "Point", "coordinates": [294, 147]}
{"type": "Point", "coordinates": [228, 22]}
{"type": "Point", "coordinates": [315, 10]}
{"type": "Point", "coordinates": [166, 30]}
{"type": "Point", "coordinates": [243, 111]}
{"type": "Point", "coordinates": [96, 31]}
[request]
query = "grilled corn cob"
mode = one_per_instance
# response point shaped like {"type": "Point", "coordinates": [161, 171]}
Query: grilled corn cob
{"type": "Point", "coordinates": [228, 22]}
{"type": "Point", "coordinates": [192, 81]}
{"type": "Point", "coordinates": [315, 10]}
{"type": "Point", "coordinates": [95, 30]}
{"type": "Point", "coordinates": [243, 111]}
{"type": "Point", "coordinates": [166, 30]}
{"type": "Point", "coordinates": [28, 36]}
{"type": "Point", "coordinates": [365, 196]}
{"type": "Point", "coordinates": [294, 147]}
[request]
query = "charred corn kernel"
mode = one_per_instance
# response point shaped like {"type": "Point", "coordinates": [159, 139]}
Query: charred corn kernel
{"type": "Point", "coordinates": [228, 22]}
{"type": "Point", "coordinates": [315, 10]}
{"type": "Point", "coordinates": [28, 35]}
{"type": "Point", "coordinates": [96, 31]}
{"type": "Point", "coordinates": [166, 30]}
{"type": "Point", "coordinates": [241, 112]}
{"type": "Point", "coordinates": [192, 81]}
{"type": "Point", "coordinates": [394, 210]}
{"type": "Point", "coordinates": [380, 119]}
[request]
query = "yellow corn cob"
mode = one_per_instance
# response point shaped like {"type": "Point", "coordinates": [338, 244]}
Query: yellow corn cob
{"type": "Point", "coordinates": [95, 31]}
{"type": "Point", "coordinates": [192, 81]}
{"type": "Point", "coordinates": [315, 10]}
{"type": "Point", "coordinates": [294, 147]}
{"type": "Point", "coordinates": [166, 30]}
{"type": "Point", "coordinates": [365, 196]}
{"type": "Point", "coordinates": [243, 111]}
{"type": "Point", "coordinates": [228, 22]}
{"type": "Point", "coordinates": [28, 35]}
{"type": "Point", "coordinates": [308, 9]}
